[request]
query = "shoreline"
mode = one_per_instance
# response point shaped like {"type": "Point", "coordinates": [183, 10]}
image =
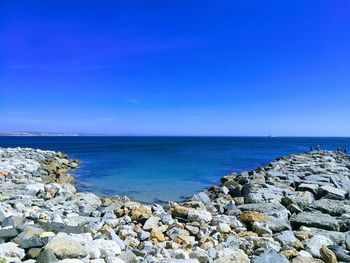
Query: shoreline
{"type": "Point", "coordinates": [270, 213]}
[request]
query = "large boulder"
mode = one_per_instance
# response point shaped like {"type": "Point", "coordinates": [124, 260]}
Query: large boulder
{"type": "Point", "coordinates": [270, 209]}
{"type": "Point", "coordinates": [87, 202]}
{"type": "Point", "coordinates": [314, 219]}
{"type": "Point", "coordinates": [64, 246]}
{"type": "Point", "coordinates": [332, 207]}
{"type": "Point", "coordinates": [331, 192]}
{"type": "Point", "coordinates": [33, 237]}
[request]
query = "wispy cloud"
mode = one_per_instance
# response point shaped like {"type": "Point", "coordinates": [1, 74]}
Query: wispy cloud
{"type": "Point", "coordinates": [113, 52]}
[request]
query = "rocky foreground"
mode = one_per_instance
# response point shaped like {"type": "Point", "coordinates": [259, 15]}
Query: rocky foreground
{"type": "Point", "coordinates": [294, 209]}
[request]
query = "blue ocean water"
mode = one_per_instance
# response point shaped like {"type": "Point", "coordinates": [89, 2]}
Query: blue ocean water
{"type": "Point", "coordinates": [158, 169]}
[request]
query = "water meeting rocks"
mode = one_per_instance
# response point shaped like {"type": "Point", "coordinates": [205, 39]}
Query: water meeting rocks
{"type": "Point", "coordinates": [294, 209]}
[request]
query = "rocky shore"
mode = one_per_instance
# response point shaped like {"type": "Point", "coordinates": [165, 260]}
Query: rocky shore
{"type": "Point", "coordinates": [295, 209]}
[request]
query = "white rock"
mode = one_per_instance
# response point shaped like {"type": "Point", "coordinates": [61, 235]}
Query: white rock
{"type": "Point", "coordinates": [314, 244]}
{"type": "Point", "coordinates": [97, 261]}
{"type": "Point", "coordinates": [11, 250]}
{"type": "Point", "coordinates": [93, 252]}
{"type": "Point", "coordinates": [305, 254]}
{"type": "Point", "coordinates": [202, 197]}
{"type": "Point", "coordinates": [107, 248]}
{"type": "Point", "coordinates": [167, 219]}
{"type": "Point", "coordinates": [151, 223]}
{"type": "Point", "coordinates": [196, 215]}
{"type": "Point", "coordinates": [33, 189]}
{"type": "Point", "coordinates": [57, 219]}
{"type": "Point", "coordinates": [114, 260]}
{"type": "Point", "coordinates": [223, 228]}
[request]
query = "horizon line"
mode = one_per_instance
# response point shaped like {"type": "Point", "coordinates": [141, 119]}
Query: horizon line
{"type": "Point", "coordinates": [76, 134]}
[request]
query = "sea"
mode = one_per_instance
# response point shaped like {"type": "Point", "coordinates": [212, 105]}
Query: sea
{"type": "Point", "coordinates": [162, 169]}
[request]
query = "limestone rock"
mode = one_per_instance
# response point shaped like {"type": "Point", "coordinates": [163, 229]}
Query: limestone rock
{"type": "Point", "coordinates": [238, 255]}
{"type": "Point", "coordinates": [199, 215]}
{"type": "Point", "coordinates": [66, 247]}
{"type": "Point", "coordinates": [151, 223]}
{"type": "Point", "coordinates": [11, 250]}
{"type": "Point", "coordinates": [314, 244]}
{"type": "Point", "coordinates": [101, 248]}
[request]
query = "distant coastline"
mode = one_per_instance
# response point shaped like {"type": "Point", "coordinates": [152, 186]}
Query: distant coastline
{"type": "Point", "coordinates": [20, 133]}
{"type": "Point", "coordinates": [63, 134]}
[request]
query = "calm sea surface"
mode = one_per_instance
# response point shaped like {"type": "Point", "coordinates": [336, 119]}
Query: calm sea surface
{"type": "Point", "coordinates": [157, 169]}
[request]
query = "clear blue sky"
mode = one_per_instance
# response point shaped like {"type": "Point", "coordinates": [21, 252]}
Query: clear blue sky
{"type": "Point", "coordinates": [176, 67]}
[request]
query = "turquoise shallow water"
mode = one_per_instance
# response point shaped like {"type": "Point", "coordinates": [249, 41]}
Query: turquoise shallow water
{"type": "Point", "coordinates": [158, 169]}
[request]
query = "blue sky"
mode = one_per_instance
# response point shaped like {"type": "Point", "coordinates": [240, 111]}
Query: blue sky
{"type": "Point", "coordinates": [176, 67]}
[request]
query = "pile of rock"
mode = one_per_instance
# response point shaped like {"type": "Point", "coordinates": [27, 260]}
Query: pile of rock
{"type": "Point", "coordinates": [295, 209]}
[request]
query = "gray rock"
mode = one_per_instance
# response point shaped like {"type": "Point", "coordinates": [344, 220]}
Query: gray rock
{"type": "Point", "coordinates": [179, 261]}
{"type": "Point", "coordinates": [271, 209]}
{"type": "Point", "coordinates": [201, 256]}
{"type": "Point", "coordinates": [202, 197]}
{"type": "Point", "coordinates": [330, 192]}
{"type": "Point", "coordinates": [332, 207]}
{"type": "Point", "coordinates": [46, 256]}
{"type": "Point", "coordinates": [14, 221]}
{"type": "Point", "coordinates": [314, 219]}
{"type": "Point", "coordinates": [301, 199]}
{"type": "Point", "coordinates": [262, 194]}
{"type": "Point", "coordinates": [341, 181]}
{"type": "Point", "coordinates": [30, 238]}
{"type": "Point", "coordinates": [285, 237]}
{"type": "Point", "coordinates": [335, 236]}
{"type": "Point", "coordinates": [144, 235]}
{"type": "Point", "coordinates": [277, 225]}
{"type": "Point", "coordinates": [317, 178]}
{"type": "Point", "coordinates": [167, 219]}
{"type": "Point", "coordinates": [8, 233]}
{"type": "Point", "coordinates": [339, 253]}
{"type": "Point", "coordinates": [313, 188]}
{"type": "Point", "coordinates": [2, 215]}
{"type": "Point", "coordinates": [270, 257]}
{"type": "Point", "coordinates": [347, 240]}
